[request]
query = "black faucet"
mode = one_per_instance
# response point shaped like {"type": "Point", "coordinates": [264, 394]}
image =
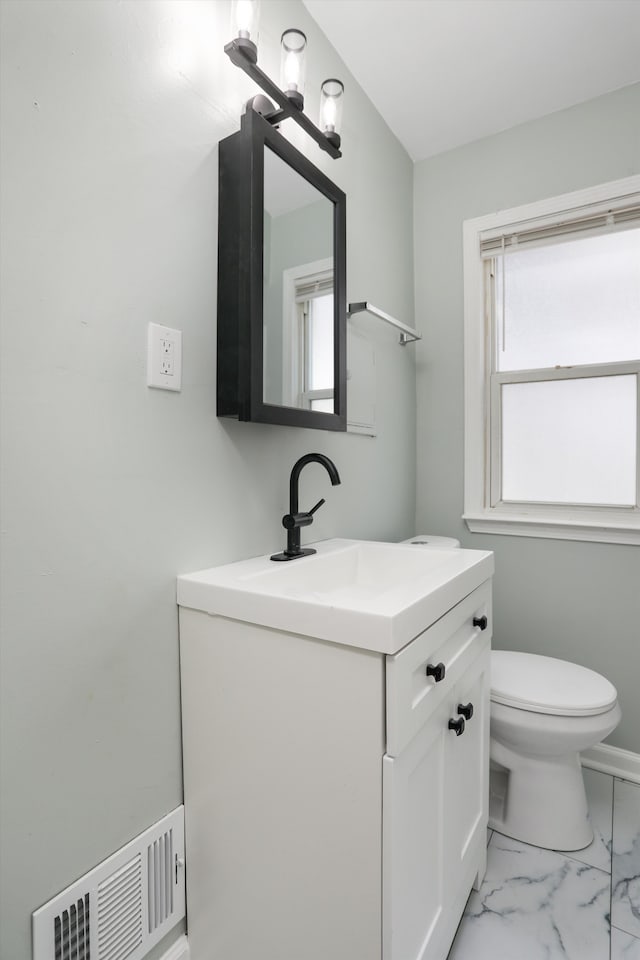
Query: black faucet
{"type": "Point", "coordinates": [293, 520]}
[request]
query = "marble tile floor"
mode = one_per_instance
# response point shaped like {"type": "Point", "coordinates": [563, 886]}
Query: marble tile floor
{"type": "Point", "coordinates": [539, 904]}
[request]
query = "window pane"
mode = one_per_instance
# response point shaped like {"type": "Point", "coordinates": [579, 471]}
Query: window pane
{"type": "Point", "coordinates": [570, 303]}
{"type": "Point", "coordinates": [321, 343]}
{"type": "Point", "coordinates": [570, 441]}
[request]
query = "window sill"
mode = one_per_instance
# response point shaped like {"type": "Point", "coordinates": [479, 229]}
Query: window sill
{"type": "Point", "coordinates": [545, 527]}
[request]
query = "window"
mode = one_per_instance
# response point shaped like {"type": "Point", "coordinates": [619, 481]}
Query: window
{"type": "Point", "coordinates": [552, 367]}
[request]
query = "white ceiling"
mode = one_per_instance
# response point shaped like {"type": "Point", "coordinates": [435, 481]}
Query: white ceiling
{"type": "Point", "coordinates": [446, 72]}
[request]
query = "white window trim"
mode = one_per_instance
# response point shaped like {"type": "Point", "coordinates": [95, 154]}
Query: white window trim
{"type": "Point", "coordinates": [603, 524]}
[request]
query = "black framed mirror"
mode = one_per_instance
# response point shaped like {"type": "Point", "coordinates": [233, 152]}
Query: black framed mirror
{"type": "Point", "coordinates": [281, 283]}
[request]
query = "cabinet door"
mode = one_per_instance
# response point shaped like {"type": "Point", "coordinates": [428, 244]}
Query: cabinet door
{"type": "Point", "coordinates": [413, 843]}
{"type": "Point", "coordinates": [466, 778]}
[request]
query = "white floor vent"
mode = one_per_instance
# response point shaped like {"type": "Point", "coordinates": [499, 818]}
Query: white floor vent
{"type": "Point", "coordinates": [124, 906]}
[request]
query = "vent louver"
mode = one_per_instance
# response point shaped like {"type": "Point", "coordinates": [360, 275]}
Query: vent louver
{"type": "Point", "coordinates": [120, 912]}
{"type": "Point", "coordinates": [72, 932]}
{"type": "Point", "coordinates": [121, 908]}
{"type": "Point", "coordinates": [160, 870]}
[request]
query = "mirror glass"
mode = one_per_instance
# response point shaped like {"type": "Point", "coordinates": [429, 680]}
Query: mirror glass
{"type": "Point", "coordinates": [298, 290]}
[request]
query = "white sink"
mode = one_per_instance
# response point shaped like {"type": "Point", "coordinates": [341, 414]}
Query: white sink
{"type": "Point", "coordinates": [378, 596]}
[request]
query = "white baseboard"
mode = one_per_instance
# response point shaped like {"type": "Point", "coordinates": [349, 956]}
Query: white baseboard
{"type": "Point", "coordinates": [178, 950]}
{"type": "Point", "coordinates": [613, 760]}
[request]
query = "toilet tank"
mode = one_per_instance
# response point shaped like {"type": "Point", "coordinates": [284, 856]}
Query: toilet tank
{"type": "Point", "coordinates": [436, 543]}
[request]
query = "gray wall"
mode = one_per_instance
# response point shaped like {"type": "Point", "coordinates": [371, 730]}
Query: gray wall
{"type": "Point", "coordinates": [577, 601]}
{"type": "Point", "coordinates": [111, 114]}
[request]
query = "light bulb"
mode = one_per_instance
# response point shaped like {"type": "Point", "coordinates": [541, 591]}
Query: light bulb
{"type": "Point", "coordinates": [291, 71]}
{"type": "Point", "coordinates": [244, 18]}
{"type": "Point", "coordinates": [329, 111]}
{"type": "Point", "coordinates": [245, 15]}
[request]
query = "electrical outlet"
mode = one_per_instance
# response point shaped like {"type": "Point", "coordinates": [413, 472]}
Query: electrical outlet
{"type": "Point", "coordinates": [164, 357]}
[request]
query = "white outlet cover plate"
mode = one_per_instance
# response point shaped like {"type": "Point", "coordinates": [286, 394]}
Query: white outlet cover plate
{"type": "Point", "coordinates": [164, 344]}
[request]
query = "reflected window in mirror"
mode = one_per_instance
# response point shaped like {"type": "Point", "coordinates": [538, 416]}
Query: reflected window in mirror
{"type": "Point", "coordinates": [316, 322]}
{"type": "Point", "coordinates": [306, 380]}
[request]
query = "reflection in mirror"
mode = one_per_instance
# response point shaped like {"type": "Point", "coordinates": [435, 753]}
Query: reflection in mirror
{"type": "Point", "coordinates": [298, 292]}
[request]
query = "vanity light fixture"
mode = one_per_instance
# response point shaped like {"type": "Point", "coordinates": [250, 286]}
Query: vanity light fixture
{"type": "Point", "coordinates": [243, 53]}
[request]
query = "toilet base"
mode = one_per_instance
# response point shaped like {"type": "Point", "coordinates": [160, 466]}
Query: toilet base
{"type": "Point", "coordinates": [539, 800]}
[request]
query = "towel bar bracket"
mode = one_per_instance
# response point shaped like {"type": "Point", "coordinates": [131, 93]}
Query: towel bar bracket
{"type": "Point", "coordinates": [407, 334]}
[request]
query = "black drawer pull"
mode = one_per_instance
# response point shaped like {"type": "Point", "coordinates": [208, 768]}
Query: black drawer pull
{"type": "Point", "coordinates": [466, 709]}
{"type": "Point", "coordinates": [480, 622]}
{"type": "Point", "coordinates": [457, 725]}
{"type": "Point", "coordinates": [437, 671]}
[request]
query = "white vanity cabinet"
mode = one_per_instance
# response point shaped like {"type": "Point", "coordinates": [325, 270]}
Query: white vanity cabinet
{"type": "Point", "coordinates": [330, 810]}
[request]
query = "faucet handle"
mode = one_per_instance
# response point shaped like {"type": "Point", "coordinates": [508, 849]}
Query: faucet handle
{"type": "Point", "coordinates": [291, 521]}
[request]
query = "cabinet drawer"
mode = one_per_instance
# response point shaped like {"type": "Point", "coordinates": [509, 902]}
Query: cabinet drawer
{"type": "Point", "coordinates": [412, 695]}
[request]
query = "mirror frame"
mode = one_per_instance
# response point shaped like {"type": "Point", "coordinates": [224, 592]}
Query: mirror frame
{"type": "Point", "coordinates": [240, 388]}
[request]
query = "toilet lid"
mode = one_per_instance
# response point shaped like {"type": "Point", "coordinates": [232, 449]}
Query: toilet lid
{"type": "Point", "coordinates": [546, 685]}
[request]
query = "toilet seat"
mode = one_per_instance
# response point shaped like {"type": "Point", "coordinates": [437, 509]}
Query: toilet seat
{"type": "Point", "coordinates": [527, 681]}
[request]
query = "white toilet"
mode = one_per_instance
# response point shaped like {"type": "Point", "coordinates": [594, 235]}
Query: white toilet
{"type": "Point", "coordinates": [543, 713]}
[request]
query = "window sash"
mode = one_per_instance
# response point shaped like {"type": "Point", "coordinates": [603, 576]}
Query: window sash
{"type": "Point", "coordinates": [498, 319]}
{"type": "Point", "coordinates": [494, 431]}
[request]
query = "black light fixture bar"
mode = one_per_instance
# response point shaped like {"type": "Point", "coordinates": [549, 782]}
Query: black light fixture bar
{"type": "Point", "coordinates": [240, 58]}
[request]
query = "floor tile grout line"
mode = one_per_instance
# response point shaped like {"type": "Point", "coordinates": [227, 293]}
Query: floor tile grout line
{"type": "Point", "coordinates": [620, 782]}
{"type": "Point", "coordinates": [560, 853]}
{"type": "Point", "coordinates": [571, 854]}
{"type": "Point", "coordinates": [613, 805]}
{"type": "Point", "coordinates": [632, 936]}
{"type": "Point", "coordinates": [567, 854]}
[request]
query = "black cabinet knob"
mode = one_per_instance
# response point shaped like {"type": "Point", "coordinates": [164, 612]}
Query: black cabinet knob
{"type": "Point", "coordinates": [437, 671]}
{"type": "Point", "coordinates": [480, 622]}
{"type": "Point", "coordinates": [466, 709]}
{"type": "Point", "coordinates": [457, 725]}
